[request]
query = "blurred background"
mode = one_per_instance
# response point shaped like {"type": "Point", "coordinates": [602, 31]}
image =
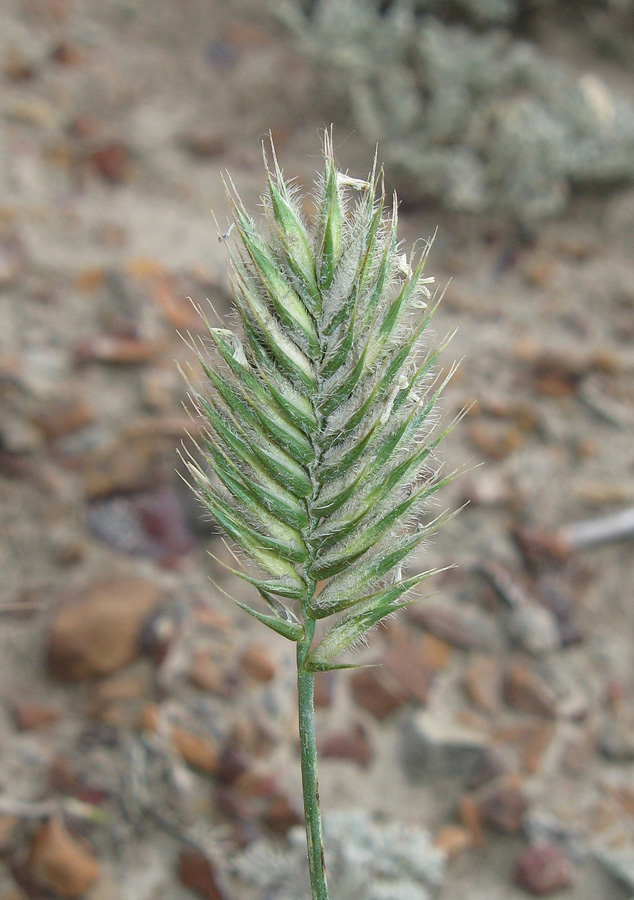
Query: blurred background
{"type": "Point", "coordinates": [147, 732]}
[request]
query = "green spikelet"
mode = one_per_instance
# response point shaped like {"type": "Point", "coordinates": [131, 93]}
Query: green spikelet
{"type": "Point", "coordinates": [320, 428]}
{"type": "Point", "coordinates": [321, 425]}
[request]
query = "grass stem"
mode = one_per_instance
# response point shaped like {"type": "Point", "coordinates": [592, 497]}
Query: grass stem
{"type": "Point", "coordinates": [308, 751]}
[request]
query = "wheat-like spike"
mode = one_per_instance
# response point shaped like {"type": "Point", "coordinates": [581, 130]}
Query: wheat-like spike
{"type": "Point", "coordinates": [318, 454]}
{"type": "Point", "coordinates": [321, 423]}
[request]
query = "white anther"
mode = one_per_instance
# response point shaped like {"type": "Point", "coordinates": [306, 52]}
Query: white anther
{"type": "Point", "coordinates": [401, 384]}
{"type": "Point", "coordinates": [225, 237]}
{"type": "Point", "coordinates": [403, 265]}
{"type": "Point", "coordinates": [348, 181]}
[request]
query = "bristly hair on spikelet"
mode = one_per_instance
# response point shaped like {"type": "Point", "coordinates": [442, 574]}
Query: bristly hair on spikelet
{"type": "Point", "coordinates": [318, 454]}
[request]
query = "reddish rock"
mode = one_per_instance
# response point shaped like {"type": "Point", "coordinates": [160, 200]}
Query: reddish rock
{"type": "Point", "coordinates": [257, 784]}
{"type": "Point", "coordinates": [258, 663]}
{"type": "Point", "coordinates": [435, 652]}
{"type": "Point", "coordinates": [504, 809]}
{"type": "Point", "coordinates": [324, 688]}
{"type": "Point", "coordinates": [8, 827]}
{"type": "Point", "coordinates": [352, 745]}
{"type": "Point", "coordinates": [404, 660]}
{"type": "Point", "coordinates": [216, 622]}
{"type": "Point", "coordinates": [120, 688]}
{"type": "Point", "coordinates": [280, 815]}
{"type": "Point", "coordinates": [471, 817]}
{"type": "Point", "coordinates": [372, 693]}
{"type": "Point", "coordinates": [111, 161]}
{"type": "Point", "coordinates": [203, 146]}
{"type": "Point", "coordinates": [446, 625]}
{"type": "Point", "coordinates": [483, 682]}
{"type": "Point", "coordinates": [119, 349]}
{"type": "Point", "coordinates": [527, 691]}
{"type": "Point", "coordinates": [232, 765]}
{"type": "Point", "coordinates": [543, 868]}
{"type": "Point", "coordinates": [150, 523]}
{"type": "Point", "coordinates": [62, 776]}
{"type": "Point", "coordinates": [199, 752]}
{"type": "Point", "coordinates": [63, 416]}
{"type": "Point", "coordinates": [205, 673]}
{"type": "Point", "coordinates": [495, 439]}
{"type": "Point", "coordinates": [98, 633]}
{"type": "Point", "coordinates": [67, 54]}
{"type": "Point", "coordinates": [198, 873]}
{"type": "Point", "coordinates": [535, 745]}
{"type": "Point", "coordinates": [453, 840]}
{"type": "Point", "coordinates": [59, 863]}
{"type": "Point", "coordinates": [29, 716]}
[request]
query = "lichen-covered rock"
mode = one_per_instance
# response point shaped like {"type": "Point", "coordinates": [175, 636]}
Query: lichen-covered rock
{"type": "Point", "coordinates": [366, 861]}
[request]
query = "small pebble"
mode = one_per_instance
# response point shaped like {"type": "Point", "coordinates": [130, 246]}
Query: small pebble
{"type": "Point", "coordinates": [543, 868]}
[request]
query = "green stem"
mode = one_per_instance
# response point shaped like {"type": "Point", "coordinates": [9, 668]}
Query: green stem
{"type": "Point", "coordinates": [308, 750]}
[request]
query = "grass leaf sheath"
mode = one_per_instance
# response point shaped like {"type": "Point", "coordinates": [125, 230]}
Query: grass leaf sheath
{"type": "Point", "coordinates": [320, 434]}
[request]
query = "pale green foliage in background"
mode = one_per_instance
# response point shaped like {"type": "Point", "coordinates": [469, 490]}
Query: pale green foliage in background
{"type": "Point", "coordinates": [368, 860]}
{"type": "Point", "coordinates": [321, 432]}
{"type": "Point", "coordinates": [465, 112]}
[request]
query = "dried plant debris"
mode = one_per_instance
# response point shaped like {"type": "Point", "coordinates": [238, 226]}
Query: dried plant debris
{"type": "Point", "coordinates": [476, 119]}
{"type": "Point", "coordinates": [366, 861]}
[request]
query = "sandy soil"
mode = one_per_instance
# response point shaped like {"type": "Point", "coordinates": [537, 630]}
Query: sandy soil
{"type": "Point", "coordinates": [116, 121]}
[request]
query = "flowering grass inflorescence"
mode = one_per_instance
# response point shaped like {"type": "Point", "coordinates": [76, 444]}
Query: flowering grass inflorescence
{"type": "Point", "coordinates": [318, 454]}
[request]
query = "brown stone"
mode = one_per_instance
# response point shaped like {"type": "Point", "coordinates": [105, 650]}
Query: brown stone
{"type": "Point", "coordinates": [405, 662]}
{"type": "Point", "coordinates": [504, 809]}
{"type": "Point", "coordinates": [205, 673]}
{"type": "Point", "coordinates": [60, 863]}
{"type": "Point", "coordinates": [196, 872]}
{"type": "Point", "coordinates": [280, 815]}
{"type": "Point", "coordinates": [535, 746]}
{"type": "Point", "coordinates": [256, 784]}
{"type": "Point", "coordinates": [203, 145]}
{"type": "Point", "coordinates": [111, 161]}
{"type": "Point", "coordinates": [199, 752]}
{"type": "Point", "coordinates": [543, 868]}
{"type": "Point", "coordinates": [527, 691]}
{"type": "Point", "coordinates": [119, 349]}
{"type": "Point", "coordinates": [211, 620]}
{"type": "Point", "coordinates": [371, 692]}
{"type": "Point", "coordinates": [98, 633]}
{"type": "Point", "coordinates": [436, 652]}
{"type": "Point", "coordinates": [119, 688]}
{"type": "Point", "coordinates": [67, 54]}
{"type": "Point", "coordinates": [447, 625]}
{"type": "Point", "coordinates": [8, 826]}
{"type": "Point", "coordinates": [29, 716]}
{"type": "Point", "coordinates": [483, 682]}
{"type": "Point", "coordinates": [352, 744]}
{"type": "Point", "coordinates": [62, 776]}
{"type": "Point", "coordinates": [471, 818]}
{"type": "Point", "coordinates": [453, 840]}
{"type": "Point", "coordinates": [577, 755]}
{"type": "Point", "coordinates": [324, 688]}
{"type": "Point", "coordinates": [63, 416]}
{"type": "Point", "coordinates": [258, 663]}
